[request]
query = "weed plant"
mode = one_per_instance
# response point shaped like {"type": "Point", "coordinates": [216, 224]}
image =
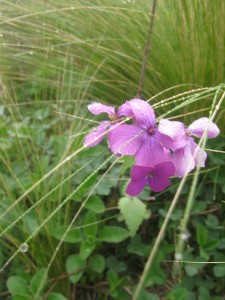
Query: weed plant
{"type": "Point", "coordinates": [64, 234]}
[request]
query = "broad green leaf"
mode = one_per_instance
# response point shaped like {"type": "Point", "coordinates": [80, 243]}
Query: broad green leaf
{"type": "Point", "coordinates": [95, 204]}
{"type": "Point", "coordinates": [191, 270]}
{"type": "Point", "coordinates": [219, 271]}
{"type": "Point", "coordinates": [178, 293]}
{"type": "Point", "coordinates": [17, 285]}
{"type": "Point", "coordinates": [202, 235]}
{"type": "Point", "coordinates": [90, 228]}
{"type": "Point", "coordinates": [113, 234]}
{"type": "Point", "coordinates": [128, 162]}
{"type": "Point", "coordinates": [55, 296]}
{"type": "Point", "coordinates": [38, 281]}
{"type": "Point", "coordinates": [97, 263]}
{"type": "Point", "coordinates": [86, 249]}
{"type": "Point", "coordinates": [76, 265]}
{"type": "Point", "coordinates": [134, 212]}
{"type": "Point", "coordinates": [73, 235]}
{"type": "Point", "coordinates": [24, 297]}
{"type": "Point", "coordinates": [87, 182]}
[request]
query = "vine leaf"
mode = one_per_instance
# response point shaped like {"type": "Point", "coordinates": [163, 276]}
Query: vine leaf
{"type": "Point", "coordinates": [133, 211]}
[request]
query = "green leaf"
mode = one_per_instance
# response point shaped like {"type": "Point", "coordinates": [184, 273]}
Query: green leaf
{"type": "Point", "coordinates": [219, 271]}
{"type": "Point", "coordinates": [55, 296]}
{"type": "Point", "coordinates": [113, 234]}
{"type": "Point", "coordinates": [90, 229]}
{"type": "Point", "coordinates": [24, 297]}
{"type": "Point", "coordinates": [97, 263]}
{"type": "Point", "coordinates": [191, 270]}
{"type": "Point", "coordinates": [73, 235]}
{"type": "Point", "coordinates": [38, 281]}
{"type": "Point", "coordinates": [134, 212]}
{"type": "Point", "coordinates": [74, 264]}
{"type": "Point", "coordinates": [178, 293]}
{"type": "Point", "coordinates": [17, 285]}
{"type": "Point", "coordinates": [128, 161]}
{"type": "Point", "coordinates": [95, 204]}
{"type": "Point", "coordinates": [202, 235]}
{"type": "Point", "coordinates": [86, 249]}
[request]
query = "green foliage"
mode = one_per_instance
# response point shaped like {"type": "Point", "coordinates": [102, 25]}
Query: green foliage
{"type": "Point", "coordinates": [112, 234]}
{"type": "Point", "coordinates": [134, 212]}
{"type": "Point", "coordinates": [38, 281]}
{"type": "Point", "coordinates": [97, 263]}
{"type": "Point", "coordinates": [76, 265]}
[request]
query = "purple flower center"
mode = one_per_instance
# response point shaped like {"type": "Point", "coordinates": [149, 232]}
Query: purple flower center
{"type": "Point", "coordinates": [151, 175]}
{"type": "Point", "coordinates": [188, 133]}
{"type": "Point", "coordinates": [151, 131]}
{"type": "Point", "coordinates": [113, 117]}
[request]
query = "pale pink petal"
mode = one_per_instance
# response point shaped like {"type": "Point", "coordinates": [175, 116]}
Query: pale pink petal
{"type": "Point", "coordinates": [143, 113]}
{"type": "Point", "coordinates": [158, 184]}
{"type": "Point", "coordinates": [198, 127]}
{"type": "Point", "coordinates": [125, 139]}
{"type": "Point", "coordinates": [172, 134]}
{"type": "Point", "coordinates": [125, 110]}
{"type": "Point", "coordinates": [164, 169]}
{"type": "Point", "coordinates": [96, 135]}
{"type": "Point", "coordinates": [97, 108]}
{"type": "Point", "coordinates": [183, 160]}
{"type": "Point", "coordinates": [136, 186]}
{"type": "Point", "coordinates": [151, 152]}
{"type": "Point", "coordinates": [138, 172]}
{"type": "Point", "coordinates": [199, 154]}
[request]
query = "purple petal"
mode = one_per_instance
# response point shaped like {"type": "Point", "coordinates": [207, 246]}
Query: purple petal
{"type": "Point", "coordinates": [97, 108]}
{"type": "Point", "coordinates": [158, 184]}
{"type": "Point", "coordinates": [164, 169]}
{"type": "Point", "coordinates": [139, 172]}
{"type": "Point", "coordinates": [96, 135]}
{"type": "Point", "coordinates": [143, 113]}
{"type": "Point", "coordinates": [198, 127]}
{"type": "Point", "coordinates": [135, 187]}
{"type": "Point", "coordinates": [198, 154]}
{"type": "Point", "coordinates": [172, 134]}
{"type": "Point", "coordinates": [125, 110]}
{"type": "Point", "coordinates": [151, 152]}
{"type": "Point", "coordinates": [183, 160]}
{"type": "Point", "coordinates": [125, 139]}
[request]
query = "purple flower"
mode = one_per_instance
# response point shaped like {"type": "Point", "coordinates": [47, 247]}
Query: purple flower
{"type": "Point", "coordinates": [187, 154]}
{"type": "Point", "coordinates": [97, 134]}
{"type": "Point", "coordinates": [156, 177]}
{"type": "Point", "coordinates": [141, 139]}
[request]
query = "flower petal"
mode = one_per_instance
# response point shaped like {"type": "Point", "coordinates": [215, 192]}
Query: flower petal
{"type": "Point", "coordinates": [125, 110]}
{"type": "Point", "coordinates": [198, 154]}
{"type": "Point", "coordinates": [135, 187]}
{"type": "Point", "coordinates": [143, 113]}
{"type": "Point", "coordinates": [183, 160]}
{"type": "Point", "coordinates": [164, 169]}
{"type": "Point", "coordinates": [150, 152]}
{"type": "Point", "coordinates": [198, 127]}
{"type": "Point", "coordinates": [158, 184]}
{"type": "Point", "coordinates": [139, 172]}
{"type": "Point", "coordinates": [96, 135]}
{"type": "Point", "coordinates": [125, 139]}
{"type": "Point", "coordinates": [172, 134]}
{"type": "Point", "coordinates": [97, 108]}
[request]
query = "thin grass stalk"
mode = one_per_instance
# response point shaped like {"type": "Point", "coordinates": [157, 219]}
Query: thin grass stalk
{"type": "Point", "coordinates": [166, 220]}
{"type": "Point", "coordinates": [191, 196]}
{"type": "Point", "coordinates": [147, 49]}
{"type": "Point", "coordinates": [71, 224]}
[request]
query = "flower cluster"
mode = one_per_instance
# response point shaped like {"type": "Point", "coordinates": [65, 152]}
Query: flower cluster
{"type": "Point", "coordinates": [160, 152]}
